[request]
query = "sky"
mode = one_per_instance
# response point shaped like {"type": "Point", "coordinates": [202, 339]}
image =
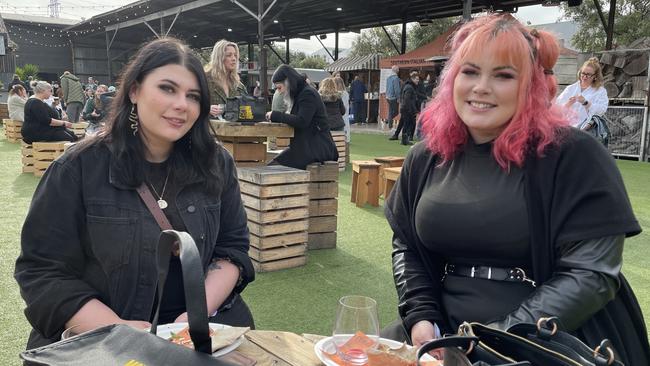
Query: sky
{"type": "Point", "coordinates": [76, 9]}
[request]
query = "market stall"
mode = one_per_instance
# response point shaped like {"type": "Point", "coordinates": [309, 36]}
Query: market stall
{"type": "Point", "coordinates": [367, 68]}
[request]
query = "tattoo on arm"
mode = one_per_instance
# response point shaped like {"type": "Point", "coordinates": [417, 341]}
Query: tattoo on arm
{"type": "Point", "coordinates": [214, 266]}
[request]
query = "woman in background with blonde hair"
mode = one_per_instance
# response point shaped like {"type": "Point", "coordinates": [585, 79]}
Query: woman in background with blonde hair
{"type": "Point", "coordinates": [223, 79]}
{"type": "Point", "coordinates": [586, 97]}
{"type": "Point", "coordinates": [345, 97]}
{"type": "Point", "coordinates": [333, 104]}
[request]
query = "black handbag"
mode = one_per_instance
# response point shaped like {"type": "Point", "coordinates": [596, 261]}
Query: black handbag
{"type": "Point", "coordinates": [540, 344]}
{"type": "Point", "coordinates": [245, 109]}
{"type": "Point", "coordinates": [123, 345]}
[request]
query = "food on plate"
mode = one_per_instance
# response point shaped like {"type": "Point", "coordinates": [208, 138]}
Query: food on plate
{"type": "Point", "coordinates": [220, 338]}
{"type": "Point", "coordinates": [383, 355]}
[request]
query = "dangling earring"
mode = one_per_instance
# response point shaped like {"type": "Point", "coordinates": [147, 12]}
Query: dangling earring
{"type": "Point", "coordinates": [133, 118]}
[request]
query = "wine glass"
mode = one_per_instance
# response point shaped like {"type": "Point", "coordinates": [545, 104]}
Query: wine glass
{"type": "Point", "coordinates": [356, 329]}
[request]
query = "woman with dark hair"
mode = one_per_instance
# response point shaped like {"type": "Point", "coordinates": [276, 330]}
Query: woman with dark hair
{"type": "Point", "coordinates": [312, 141]}
{"type": "Point", "coordinates": [94, 263]}
{"type": "Point", "coordinates": [504, 214]}
{"type": "Point", "coordinates": [42, 123]}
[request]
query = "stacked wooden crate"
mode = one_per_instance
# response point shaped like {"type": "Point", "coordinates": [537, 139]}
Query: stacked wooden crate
{"type": "Point", "coordinates": [79, 128]}
{"type": "Point", "coordinates": [45, 153]}
{"type": "Point", "coordinates": [27, 157]}
{"type": "Point", "coordinates": [282, 143]}
{"type": "Point", "coordinates": [247, 151]}
{"type": "Point", "coordinates": [12, 130]}
{"type": "Point", "coordinates": [4, 111]}
{"type": "Point", "coordinates": [339, 141]}
{"type": "Point", "coordinates": [323, 204]}
{"type": "Point", "coordinates": [276, 199]}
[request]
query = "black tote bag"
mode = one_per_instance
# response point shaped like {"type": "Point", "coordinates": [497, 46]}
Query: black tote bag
{"type": "Point", "coordinates": [245, 109]}
{"type": "Point", "coordinates": [540, 344]}
{"type": "Point", "coordinates": [123, 345]}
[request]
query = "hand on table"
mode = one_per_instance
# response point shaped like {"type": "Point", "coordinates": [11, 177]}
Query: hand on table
{"type": "Point", "coordinates": [268, 116]}
{"type": "Point", "coordinates": [216, 109]}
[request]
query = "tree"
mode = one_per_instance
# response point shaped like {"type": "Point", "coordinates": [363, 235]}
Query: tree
{"type": "Point", "coordinates": [375, 40]}
{"type": "Point", "coordinates": [312, 62]}
{"type": "Point", "coordinates": [630, 24]}
{"type": "Point", "coordinates": [26, 71]}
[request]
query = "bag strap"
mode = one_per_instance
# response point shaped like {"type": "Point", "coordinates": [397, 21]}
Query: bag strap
{"type": "Point", "coordinates": [193, 281]}
{"type": "Point", "coordinates": [152, 205]}
{"type": "Point", "coordinates": [447, 342]}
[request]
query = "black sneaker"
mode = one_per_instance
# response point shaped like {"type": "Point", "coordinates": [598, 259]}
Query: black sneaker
{"type": "Point", "coordinates": [406, 143]}
{"type": "Point", "coordinates": [393, 138]}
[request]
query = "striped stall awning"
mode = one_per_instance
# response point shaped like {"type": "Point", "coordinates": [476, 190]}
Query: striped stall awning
{"type": "Point", "coordinates": [353, 63]}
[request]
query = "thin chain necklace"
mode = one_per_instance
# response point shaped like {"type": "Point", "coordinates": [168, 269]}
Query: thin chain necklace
{"type": "Point", "coordinates": [161, 202]}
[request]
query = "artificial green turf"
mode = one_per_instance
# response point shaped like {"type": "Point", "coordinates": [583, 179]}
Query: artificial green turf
{"type": "Point", "coordinates": [301, 299]}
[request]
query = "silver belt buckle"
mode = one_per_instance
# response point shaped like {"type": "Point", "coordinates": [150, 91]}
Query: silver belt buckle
{"type": "Point", "coordinates": [473, 271]}
{"type": "Point", "coordinates": [489, 273]}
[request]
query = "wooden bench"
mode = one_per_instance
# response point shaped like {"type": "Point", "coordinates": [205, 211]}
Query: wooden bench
{"type": "Point", "coordinates": [45, 153]}
{"type": "Point", "coordinates": [365, 182]}
{"type": "Point", "coordinates": [387, 162]}
{"type": "Point", "coordinates": [276, 200]}
{"type": "Point", "coordinates": [323, 204]}
{"type": "Point", "coordinates": [390, 177]}
{"type": "Point", "coordinates": [13, 130]}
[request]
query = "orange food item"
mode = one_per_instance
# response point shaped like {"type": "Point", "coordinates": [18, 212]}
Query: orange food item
{"type": "Point", "coordinates": [183, 337]}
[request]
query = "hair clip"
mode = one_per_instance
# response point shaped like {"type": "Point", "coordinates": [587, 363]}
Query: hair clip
{"type": "Point", "coordinates": [548, 72]}
{"type": "Point", "coordinates": [534, 33]}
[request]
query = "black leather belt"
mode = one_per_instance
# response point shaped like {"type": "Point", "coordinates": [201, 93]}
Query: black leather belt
{"type": "Point", "coordinates": [512, 274]}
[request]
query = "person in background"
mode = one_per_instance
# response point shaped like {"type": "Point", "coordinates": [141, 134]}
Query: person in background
{"type": "Point", "coordinates": [587, 96]}
{"type": "Point", "coordinates": [28, 86]}
{"type": "Point", "coordinates": [257, 91]}
{"type": "Point", "coordinates": [91, 84]}
{"type": "Point", "coordinates": [393, 92]}
{"type": "Point", "coordinates": [56, 105]}
{"type": "Point", "coordinates": [95, 112]}
{"type": "Point", "coordinates": [312, 141]}
{"type": "Point", "coordinates": [16, 102]}
{"type": "Point", "coordinates": [16, 80]}
{"type": "Point", "coordinates": [223, 76]}
{"type": "Point", "coordinates": [94, 263]}
{"type": "Point", "coordinates": [73, 95]}
{"type": "Point", "coordinates": [503, 185]}
{"type": "Point", "coordinates": [42, 123]}
{"type": "Point", "coordinates": [345, 97]}
{"type": "Point", "coordinates": [409, 108]}
{"type": "Point", "coordinates": [334, 106]}
{"type": "Point", "coordinates": [358, 92]}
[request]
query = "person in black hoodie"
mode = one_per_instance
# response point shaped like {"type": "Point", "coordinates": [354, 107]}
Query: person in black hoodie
{"type": "Point", "coordinates": [333, 104]}
{"type": "Point", "coordinates": [409, 107]}
{"type": "Point", "coordinates": [312, 141]}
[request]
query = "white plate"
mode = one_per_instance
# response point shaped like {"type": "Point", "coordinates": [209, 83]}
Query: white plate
{"type": "Point", "coordinates": [328, 346]}
{"type": "Point", "coordinates": [165, 331]}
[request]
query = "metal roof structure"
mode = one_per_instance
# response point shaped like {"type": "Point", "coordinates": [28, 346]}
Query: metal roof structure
{"type": "Point", "coordinates": [202, 22]}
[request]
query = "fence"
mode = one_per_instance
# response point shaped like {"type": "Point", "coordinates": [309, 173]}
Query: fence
{"type": "Point", "coordinates": [628, 127]}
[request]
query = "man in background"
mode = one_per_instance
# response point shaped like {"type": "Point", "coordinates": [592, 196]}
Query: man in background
{"type": "Point", "coordinates": [73, 95]}
{"type": "Point", "coordinates": [358, 92]}
{"type": "Point", "coordinates": [393, 90]}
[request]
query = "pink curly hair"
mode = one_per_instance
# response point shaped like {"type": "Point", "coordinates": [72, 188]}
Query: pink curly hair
{"type": "Point", "coordinates": [536, 123]}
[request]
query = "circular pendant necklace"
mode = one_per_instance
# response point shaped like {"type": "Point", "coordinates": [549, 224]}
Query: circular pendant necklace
{"type": "Point", "coordinates": [161, 202]}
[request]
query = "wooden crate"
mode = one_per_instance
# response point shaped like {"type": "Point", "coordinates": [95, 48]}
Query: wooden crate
{"type": "Point", "coordinates": [339, 141]}
{"type": "Point", "coordinates": [27, 157]}
{"type": "Point", "coordinates": [45, 153]}
{"type": "Point", "coordinates": [79, 128]}
{"type": "Point", "coordinates": [246, 151]}
{"type": "Point", "coordinates": [282, 142]}
{"type": "Point", "coordinates": [276, 201]}
{"type": "Point", "coordinates": [4, 111]}
{"type": "Point", "coordinates": [323, 205]}
{"type": "Point", "coordinates": [387, 162]}
{"type": "Point", "coordinates": [13, 130]}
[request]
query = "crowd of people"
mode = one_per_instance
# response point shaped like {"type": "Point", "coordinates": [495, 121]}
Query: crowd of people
{"type": "Point", "coordinates": [501, 184]}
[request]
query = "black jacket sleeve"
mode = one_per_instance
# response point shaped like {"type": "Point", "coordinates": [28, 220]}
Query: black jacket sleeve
{"type": "Point", "coordinates": [52, 260]}
{"type": "Point", "coordinates": [307, 104]}
{"type": "Point", "coordinates": [341, 107]}
{"type": "Point", "coordinates": [232, 241]}
{"type": "Point", "coordinates": [586, 278]}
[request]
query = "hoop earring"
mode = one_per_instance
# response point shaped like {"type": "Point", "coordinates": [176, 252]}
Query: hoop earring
{"type": "Point", "coordinates": [133, 118]}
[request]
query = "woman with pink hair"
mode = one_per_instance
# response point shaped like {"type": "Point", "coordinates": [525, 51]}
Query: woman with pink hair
{"type": "Point", "coordinates": [504, 214]}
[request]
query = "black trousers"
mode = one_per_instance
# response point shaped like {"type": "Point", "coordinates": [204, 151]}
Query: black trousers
{"type": "Point", "coordinates": [54, 134]}
{"type": "Point", "coordinates": [406, 127]}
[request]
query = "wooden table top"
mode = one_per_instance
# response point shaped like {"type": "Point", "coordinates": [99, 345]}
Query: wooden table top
{"type": "Point", "coordinates": [275, 348]}
{"type": "Point", "coordinates": [237, 129]}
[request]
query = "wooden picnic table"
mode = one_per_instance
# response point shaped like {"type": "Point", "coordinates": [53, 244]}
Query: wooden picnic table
{"type": "Point", "coordinates": [276, 348]}
{"type": "Point", "coordinates": [246, 142]}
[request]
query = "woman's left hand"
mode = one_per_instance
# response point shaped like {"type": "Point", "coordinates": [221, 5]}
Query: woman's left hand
{"type": "Point", "coordinates": [581, 99]}
{"type": "Point", "coordinates": [268, 116]}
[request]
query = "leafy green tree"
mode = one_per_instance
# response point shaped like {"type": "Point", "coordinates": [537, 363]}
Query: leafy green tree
{"type": "Point", "coordinates": [375, 40]}
{"type": "Point", "coordinates": [312, 62]}
{"type": "Point", "coordinates": [631, 23]}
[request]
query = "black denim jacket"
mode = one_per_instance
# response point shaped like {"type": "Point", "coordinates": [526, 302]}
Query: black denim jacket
{"type": "Point", "coordinates": [87, 235]}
